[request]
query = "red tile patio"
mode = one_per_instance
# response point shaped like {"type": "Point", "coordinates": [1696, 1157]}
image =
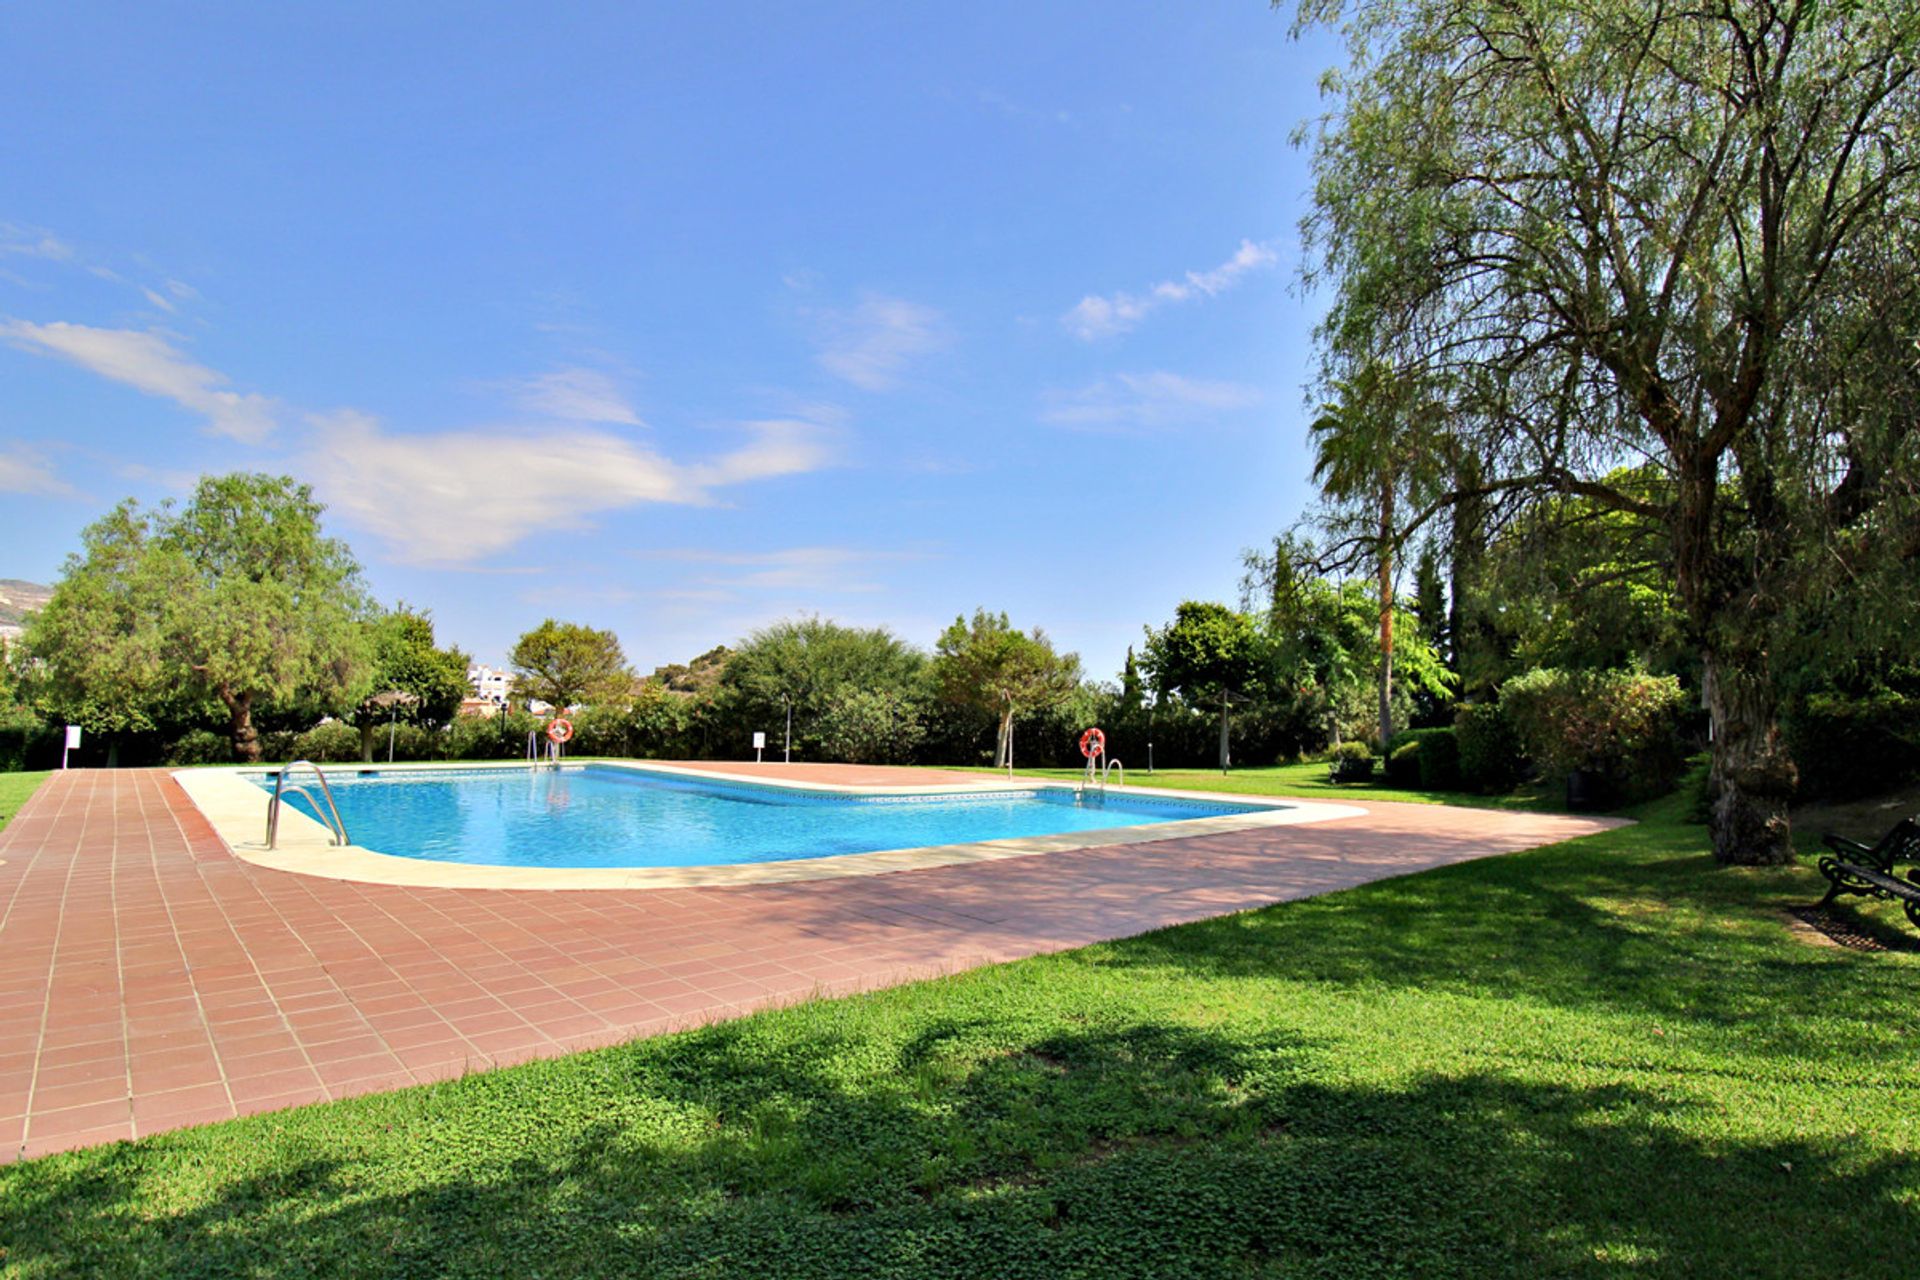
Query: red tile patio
{"type": "Point", "coordinates": [149, 979]}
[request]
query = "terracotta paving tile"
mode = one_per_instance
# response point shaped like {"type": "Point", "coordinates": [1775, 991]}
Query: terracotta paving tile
{"type": "Point", "coordinates": [143, 959]}
{"type": "Point", "coordinates": [364, 1075]}
{"type": "Point", "coordinates": [173, 1071]}
{"type": "Point", "coordinates": [169, 1109]}
{"type": "Point", "coordinates": [249, 1090]}
{"type": "Point", "coordinates": [52, 1121]}
{"type": "Point", "coordinates": [46, 1142]}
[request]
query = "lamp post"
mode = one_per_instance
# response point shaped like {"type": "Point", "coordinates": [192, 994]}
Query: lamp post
{"type": "Point", "coordinates": [786, 754]}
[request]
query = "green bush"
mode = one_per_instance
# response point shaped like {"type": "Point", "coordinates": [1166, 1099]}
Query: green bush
{"type": "Point", "coordinates": [1847, 746]}
{"type": "Point", "coordinates": [277, 745]}
{"type": "Point", "coordinates": [1693, 786]}
{"type": "Point", "coordinates": [1439, 760]}
{"type": "Point", "coordinates": [868, 726]}
{"type": "Point", "coordinates": [203, 746]}
{"type": "Point", "coordinates": [1403, 764]}
{"type": "Point", "coordinates": [1427, 759]}
{"type": "Point", "coordinates": [600, 731]}
{"type": "Point", "coordinates": [29, 746]}
{"type": "Point", "coordinates": [330, 743]}
{"type": "Point", "coordinates": [1487, 757]}
{"type": "Point", "coordinates": [1350, 762]}
{"type": "Point", "coordinates": [1622, 725]}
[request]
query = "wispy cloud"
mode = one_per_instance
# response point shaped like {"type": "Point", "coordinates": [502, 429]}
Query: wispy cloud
{"type": "Point", "coordinates": [1144, 401]}
{"type": "Point", "coordinates": [455, 496]}
{"type": "Point", "coordinates": [871, 344]}
{"type": "Point", "coordinates": [1104, 315]}
{"type": "Point", "coordinates": [148, 362]}
{"type": "Point", "coordinates": [24, 470]}
{"type": "Point", "coordinates": [1013, 109]}
{"type": "Point", "coordinates": [33, 242]}
{"type": "Point", "coordinates": [24, 242]}
{"type": "Point", "coordinates": [576, 395]}
{"type": "Point", "coordinates": [814, 569]}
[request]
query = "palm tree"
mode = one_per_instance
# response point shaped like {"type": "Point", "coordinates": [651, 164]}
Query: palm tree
{"type": "Point", "coordinates": [1369, 448]}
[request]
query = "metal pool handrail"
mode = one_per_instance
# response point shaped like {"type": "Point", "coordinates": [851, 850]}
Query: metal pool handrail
{"type": "Point", "coordinates": [336, 826]}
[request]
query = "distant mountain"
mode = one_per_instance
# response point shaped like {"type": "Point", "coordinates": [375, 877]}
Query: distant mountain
{"type": "Point", "coordinates": [18, 599]}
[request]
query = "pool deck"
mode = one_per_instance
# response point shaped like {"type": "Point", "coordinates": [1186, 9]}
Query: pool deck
{"type": "Point", "coordinates": [149, 979]}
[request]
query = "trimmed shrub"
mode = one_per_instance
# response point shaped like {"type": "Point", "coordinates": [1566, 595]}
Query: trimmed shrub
{"type": "Point", "coordinates": [29, 746]}
{"type": "Point", "coordinates": [1621, 725]}
{"type": "Point", "coordinates": [331, 743]}
{"type": "Point", "coordinates": [1427, 759]}
{"type": "Point", "coordinates": [1403, 764]}
{"type": "Point", "coordinates": [1439, 760]}
{"type": "Point", "coordinates": [1350, 762]}
{"type": "Point", "coordinates": [276, 746]}
{"type": "Point", "coordinates": [1487, 756]}
{"type": "Point", "coordinates": [204, 746]}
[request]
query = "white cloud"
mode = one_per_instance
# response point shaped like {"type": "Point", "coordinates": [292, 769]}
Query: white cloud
{"type": "Point", "coordinates": [577, 395]}
{"type": "Point", "coordinates": [25, 471]}
{"type": "Point", "coordinates": [148, 362]}
{"type": "Point", "coordinates": [455, 496]}
{"type": "Point", "coordinates": [1143, 401]}
{"type": "Point", "coordinates": [871, 344]}
{"type": "Point", "coordinates": [1102, 316]}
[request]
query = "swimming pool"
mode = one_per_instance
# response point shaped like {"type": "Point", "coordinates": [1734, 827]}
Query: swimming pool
{"type": "Point", "coordinates": [602, 816]}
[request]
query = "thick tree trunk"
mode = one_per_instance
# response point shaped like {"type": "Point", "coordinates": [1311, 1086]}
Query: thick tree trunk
{"type": "Point", "coordinates": [246, 742]}
{"type": "Point", "coordinates": [1226, 733]}
{"type": "Point", "coordinates": [1386, 621]}
{"type": "Point", "coordinates": [367, 730]}
{"type": "Point", "coordinates": [1752, 777]}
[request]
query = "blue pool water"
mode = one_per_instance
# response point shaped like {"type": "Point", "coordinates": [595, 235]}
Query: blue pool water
{"type": "Point", "coordinates": [591, 816]}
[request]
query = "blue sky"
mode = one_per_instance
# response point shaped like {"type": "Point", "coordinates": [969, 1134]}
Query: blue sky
{"type": "Point", "coordinates": [674, 319]}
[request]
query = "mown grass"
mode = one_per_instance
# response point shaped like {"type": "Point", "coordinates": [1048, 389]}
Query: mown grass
{"type": "Point", "coordinates": [1311, 780]}
{"type": "Point", "coordinates": [1605, 1058]}
{"type": "Point", "coordinates": [14, 790]}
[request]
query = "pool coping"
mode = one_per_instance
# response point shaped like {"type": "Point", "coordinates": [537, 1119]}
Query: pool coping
{"type": "Point", "coordinates": [237, 811]}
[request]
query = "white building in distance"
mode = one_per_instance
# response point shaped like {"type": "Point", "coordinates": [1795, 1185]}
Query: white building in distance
{"type": "Point", "coordinates": [490, 684]}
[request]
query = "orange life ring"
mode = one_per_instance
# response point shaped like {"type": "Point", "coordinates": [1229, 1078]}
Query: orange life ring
{"type": "Point", "coordinates": [1093, 743]}
{"type": "Point", "coordinates": [560, 730]}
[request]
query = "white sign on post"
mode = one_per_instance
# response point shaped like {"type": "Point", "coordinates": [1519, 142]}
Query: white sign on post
{"type": "Point", "coordinates": [73, 740]}
{"type": "Point", "coordinates": [759, 745]}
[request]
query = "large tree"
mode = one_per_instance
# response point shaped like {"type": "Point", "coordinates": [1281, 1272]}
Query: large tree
{"type": "Point", "coordinates": [1621, 229]}
{"type": "Point", "coordinates": [430, 681]}
{"type": "Point", "coordinates": [990, 666]}
{"type": "Point", "coordinates": [566, 664]}
{"type": "Point", "coordinates": [94, 652]}
{"type": "Point", "coordinates": [1371, 443]}
{"type": "Point", "coordinates": [1209, 654]}
{"type": "Point", "coordinates": [805, 666]}
{"type": "Point", "coordinates": [237, 597]}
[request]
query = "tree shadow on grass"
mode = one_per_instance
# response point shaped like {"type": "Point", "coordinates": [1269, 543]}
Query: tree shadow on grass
{"type": "Point", "coordinates": [959, 1150]}
{"type": "Point", "coordinates": [1635, 930]}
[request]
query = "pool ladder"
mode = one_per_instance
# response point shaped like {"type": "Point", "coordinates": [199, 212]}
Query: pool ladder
{"type": "Point", "coordinates": [534, 755]}
{"type": "Point", "coordinates": [336, 827]}
{"type": "Point", "coordinates": [1099, 778]}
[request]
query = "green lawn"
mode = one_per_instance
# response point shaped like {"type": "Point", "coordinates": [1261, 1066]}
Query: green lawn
{"type": "Point", "coordinates": [1606, 1058]}
{"type": "Point", "coordinates": [1311, 780]}
{"type": "Point", "coordinates": [14, 790]}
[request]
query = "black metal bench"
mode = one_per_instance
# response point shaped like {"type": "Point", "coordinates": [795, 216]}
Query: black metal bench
{"type": "Point", "coordinates": [1868, 870]}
